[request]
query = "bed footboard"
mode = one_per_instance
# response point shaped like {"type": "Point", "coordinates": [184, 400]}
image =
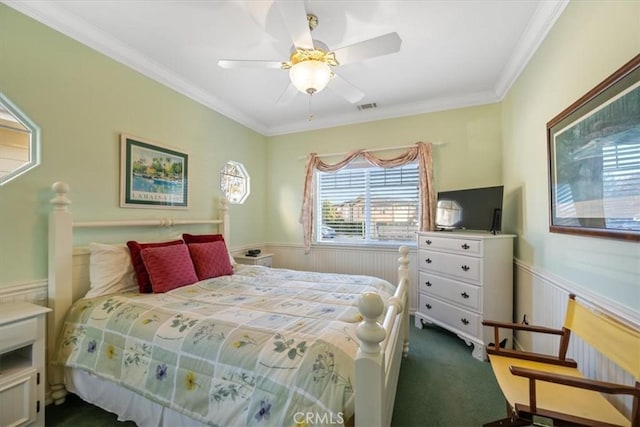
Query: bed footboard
{"type": "Point", "coordinates": [381, 350]}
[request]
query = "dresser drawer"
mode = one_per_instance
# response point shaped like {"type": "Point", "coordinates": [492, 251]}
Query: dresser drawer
{"type": "Point", "coordinates": [466, 268]}
{"type": "Point", "coordinates": [458, 292]}
{"type": "Point", "coordinates": [449, 244]}
{"type": "Point", "coordinates": [457, 318]}
{"type": "Point", "coordinates": [18, 334]}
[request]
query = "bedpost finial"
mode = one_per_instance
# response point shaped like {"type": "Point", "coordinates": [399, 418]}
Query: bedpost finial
{"type": "Point", "coordinates": [403, 263]}
{"type": "Point", "coordinates": [369, 331]}
{"type": "Point", "coordinates": [60, 201]}
{"type": "Point", "coordinates": [370, 305]}
{"type": "Point", "coordinates": [404, 251]}
{"type": "Point", "coordinates": [60, 187]}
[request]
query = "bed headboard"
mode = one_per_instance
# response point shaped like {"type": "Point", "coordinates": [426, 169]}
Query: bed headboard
{"type": "Point", "coordinates": [69, 266]}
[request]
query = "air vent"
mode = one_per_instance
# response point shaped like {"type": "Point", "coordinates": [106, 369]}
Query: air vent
{"type": "Point", "coordinates": [369, 106]}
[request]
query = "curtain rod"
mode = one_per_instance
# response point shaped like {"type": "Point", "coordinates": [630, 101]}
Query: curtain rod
{"type": "Point", "coordinates": [372, 150]}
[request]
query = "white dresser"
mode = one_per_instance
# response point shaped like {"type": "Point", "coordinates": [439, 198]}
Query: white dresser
{"type": "Point", "coordinates": [464, 278]}
{"type": "Point", "coordinates": [22, 364]}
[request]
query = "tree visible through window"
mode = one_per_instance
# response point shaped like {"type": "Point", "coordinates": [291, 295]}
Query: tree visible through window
{"type": "Point", "coordinates": [366, 204]}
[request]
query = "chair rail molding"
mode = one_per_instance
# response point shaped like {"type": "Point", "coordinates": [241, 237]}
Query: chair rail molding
{"type": "Point", "coordinates": [597, 301]}
{"type": "Point", "coordinates": [34, 291]}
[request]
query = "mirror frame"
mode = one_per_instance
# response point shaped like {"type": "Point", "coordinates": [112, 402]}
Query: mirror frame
{"type": "Point", "coordinates": [34, 139]}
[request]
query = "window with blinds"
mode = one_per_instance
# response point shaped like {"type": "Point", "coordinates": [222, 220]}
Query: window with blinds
{"type": "Point", "coordinates": [364, 204]}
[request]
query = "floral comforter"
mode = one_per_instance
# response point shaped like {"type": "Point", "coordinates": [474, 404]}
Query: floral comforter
{"type": "Point", "coordinates": [259, 347]}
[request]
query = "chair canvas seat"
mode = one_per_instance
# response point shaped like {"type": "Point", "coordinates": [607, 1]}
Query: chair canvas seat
{"type": "Point", "coordinates": [554, 397]}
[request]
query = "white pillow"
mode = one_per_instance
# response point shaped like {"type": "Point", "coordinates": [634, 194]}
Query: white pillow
{"type": "Point", "coordinates": [110, 270]}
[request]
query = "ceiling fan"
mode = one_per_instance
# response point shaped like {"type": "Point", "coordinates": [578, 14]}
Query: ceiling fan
{"type": "Point", "coordinates": [310, 63]}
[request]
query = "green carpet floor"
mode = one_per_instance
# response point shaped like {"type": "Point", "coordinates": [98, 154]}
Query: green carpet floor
{"type": "Point", "coordinates": [440, 385]}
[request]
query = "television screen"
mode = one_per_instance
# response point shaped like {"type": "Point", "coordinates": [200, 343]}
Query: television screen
{"type": "Point", "coordinates": [470, 209]}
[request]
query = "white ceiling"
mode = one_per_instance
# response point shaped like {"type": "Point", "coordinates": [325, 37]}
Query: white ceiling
{"type": "Point", "coordinates": [453, 54]}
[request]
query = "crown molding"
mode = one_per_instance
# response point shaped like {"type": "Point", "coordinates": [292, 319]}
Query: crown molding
{"type": "Point", "coordinates": [50, 15]}
{"type": "Point", "coordinates": [546, 15]}
{"type": "Point", "coordinates": [47, 13]}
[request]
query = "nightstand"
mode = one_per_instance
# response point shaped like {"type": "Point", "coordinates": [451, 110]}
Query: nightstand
{"type": "Point", "coordinates": [22, 363]}
{"type": "Point", "coordinates": [262, 259]}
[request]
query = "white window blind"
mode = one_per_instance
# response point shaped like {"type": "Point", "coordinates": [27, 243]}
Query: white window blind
{"type": "Point", "coordinates": [366, 204]}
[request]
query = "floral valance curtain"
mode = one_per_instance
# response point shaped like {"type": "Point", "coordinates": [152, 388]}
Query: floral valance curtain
{"type": "Point", "coordinates": [422, 152]}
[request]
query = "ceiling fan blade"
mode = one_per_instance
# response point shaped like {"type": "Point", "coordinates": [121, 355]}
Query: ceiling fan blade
{"type": "Point", "coordinates": [287, 96]}
{"type": "Point", "coordinates": [248, 63]}
{"type": "Point", "coordinates": [295, 19]}
{"type": "Point", "coordinates": [377, 46]}
{"type": "Point", "coordinates": [345, 89]}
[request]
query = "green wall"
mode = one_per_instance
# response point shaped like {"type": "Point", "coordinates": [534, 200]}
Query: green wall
{"type": "Point", "coordinates": [589, 42]}
{"type": "Point", "coordinates": [82, 101]}
{"type": "Point", "coordinates": [470, 155]}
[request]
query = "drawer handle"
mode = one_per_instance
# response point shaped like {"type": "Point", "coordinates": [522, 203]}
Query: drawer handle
{"type": "Point", "coordinates": [464, 295]}
{"type": "Point", "coordinates": [427, 283]}
{"type": "Point", "coordinates": [428, 306]}
{"type": "Point", "coordinates": [465, 268]}
{"type": "Point", "coordinates": [428, 242]}
{"type": "Point", "coordinates": [465, 246]}
{"type": "Point", "coordinates": [428, 260]}
{"type": "Point", "coordinates": [464, 321]}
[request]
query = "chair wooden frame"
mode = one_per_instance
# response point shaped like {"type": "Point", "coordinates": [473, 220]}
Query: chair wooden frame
{"type": "Point", "coordinates": [523, 413]}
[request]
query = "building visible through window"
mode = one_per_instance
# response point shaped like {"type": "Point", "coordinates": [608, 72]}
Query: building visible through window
{"type": "Point", "coordinates": [366, 204]}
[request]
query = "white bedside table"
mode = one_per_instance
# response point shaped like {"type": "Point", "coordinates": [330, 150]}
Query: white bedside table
{"type": "Point", "coordinates": [22, 363]}
{"type": "Point", "coordinates": [262, 259]}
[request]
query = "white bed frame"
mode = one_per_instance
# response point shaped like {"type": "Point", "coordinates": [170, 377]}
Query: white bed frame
{"type": "Point", "coordinates": [377, 361]}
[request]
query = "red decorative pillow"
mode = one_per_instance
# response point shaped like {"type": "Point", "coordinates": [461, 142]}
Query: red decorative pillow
{"type": "Point", "coordinates": [202, 238]}
{"type": "Point", "coordinates": [210, 259]}
{"type": "Point", "coordinates": [206, 238]}
{"type": "Point", "coordinates": [142, 277]}
{"type": "Point", "coordinates": [169, 267]}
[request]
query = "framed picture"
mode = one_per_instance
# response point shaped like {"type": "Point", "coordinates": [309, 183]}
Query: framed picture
{"type": "Point", "coordinates": [152, 176]}
{"type": "Point", "coordinates": [594, 160]}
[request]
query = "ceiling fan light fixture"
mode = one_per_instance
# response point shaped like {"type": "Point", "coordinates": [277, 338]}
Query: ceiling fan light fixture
{"type": "Point", "coordinates": [310, 76]}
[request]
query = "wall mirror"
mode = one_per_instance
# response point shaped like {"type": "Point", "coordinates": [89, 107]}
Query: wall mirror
{"type": "Point", "coordinates": [19, 141]}
{"type": "Point", "coordinates": [234, 182]}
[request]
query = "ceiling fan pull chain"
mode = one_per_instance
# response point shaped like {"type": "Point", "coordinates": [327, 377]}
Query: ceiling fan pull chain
{"type": "Point", "coordinates": [310, 117]}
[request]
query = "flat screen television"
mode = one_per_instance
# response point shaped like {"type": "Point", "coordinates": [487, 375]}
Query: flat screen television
{"type": "Point", "coordinates": [470, 209]}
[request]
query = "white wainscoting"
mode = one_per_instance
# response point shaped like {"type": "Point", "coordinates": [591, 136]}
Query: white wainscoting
{"type": "Point", "coordinates": [543, 298]}
{"type": "Point", "coordinates": [378, 261]}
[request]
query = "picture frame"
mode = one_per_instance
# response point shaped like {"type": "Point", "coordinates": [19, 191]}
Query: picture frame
{"type": "Point", "coordinates": [152, 175]}
{"type": "Point", "coordinates": [594, 160]}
